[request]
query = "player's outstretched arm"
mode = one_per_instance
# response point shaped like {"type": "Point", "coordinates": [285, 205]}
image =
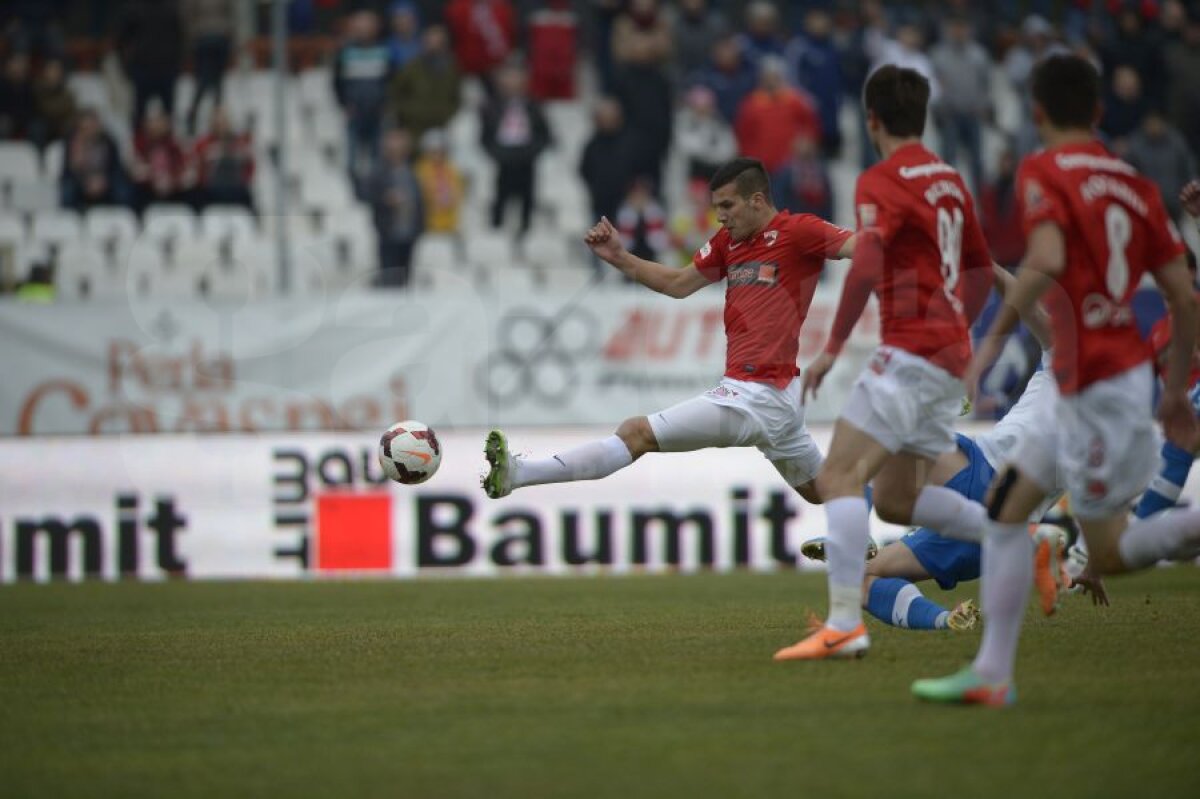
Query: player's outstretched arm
{"type": "Point", "coordinates": [867, 251]}
{"type": "Point", "coordinates": [604, 240]}
{"type": "Point", "coordinates": [1036, 320]}
{"type": "Point", "coordinates": [1045, 259]}
{"type": "Point", "coordinates": [1190, 197]}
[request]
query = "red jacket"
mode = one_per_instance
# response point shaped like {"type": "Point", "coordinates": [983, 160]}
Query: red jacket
{"type": "Point", "coordinates": [483, 32]}
{"type": "Point", "coordinates": [767, 125]}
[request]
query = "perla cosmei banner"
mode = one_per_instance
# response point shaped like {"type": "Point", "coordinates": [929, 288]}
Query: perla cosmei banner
{"type": "Point", "coordinates": [155, 507]}
{"type": "Point", "coordinates": [362, 361]}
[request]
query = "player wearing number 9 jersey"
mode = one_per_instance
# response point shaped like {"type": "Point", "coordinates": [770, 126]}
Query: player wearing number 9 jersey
{"type": "Point", "coordinates": [921, 251]}
{"type": "Point", "coordinates": [1094, 227]}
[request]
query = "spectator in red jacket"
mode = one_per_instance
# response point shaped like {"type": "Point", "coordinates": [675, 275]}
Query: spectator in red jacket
{"type": "Point", "coordinates": [224, 161]}
{"type": "Point", "coordinates": [773, 115]}
{"type": "Point", "coordinates": [159, 165]}
{"type": "Point", "coordinates": [483, 31]}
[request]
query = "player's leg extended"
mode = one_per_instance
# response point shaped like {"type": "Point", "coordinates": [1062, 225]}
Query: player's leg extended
{"type": "Point", "coordinates": [854, 458]}
{"type": "Point", "coordinates": [690, 425]}
{"type": "Point", "coordinates": [1007, 578]}
{"type": "Point", "coordinates": [1116, 546]}
{"type": "Point", "coordinates": [1163, 491]}
{"type": "Point", "coordinates": [590, 461]}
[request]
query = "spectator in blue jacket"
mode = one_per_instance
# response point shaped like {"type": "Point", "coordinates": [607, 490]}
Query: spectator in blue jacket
{"type": "Point", "coordinates": [816, 67]}
{"type": "Point", "coordinates": [360, 73]}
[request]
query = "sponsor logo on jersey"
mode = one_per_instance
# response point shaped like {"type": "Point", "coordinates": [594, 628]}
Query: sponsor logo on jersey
{"type": "Point", "coordinates": [927, 170]}
{"type": "Point", "coordinates": [1099, 310]}
{"type": "Point", "coordinates": [1067, 161]}
{"type": "Point", "coordinates": [733, 245]}
{"type": "Point", "coordinates": [760, 273]}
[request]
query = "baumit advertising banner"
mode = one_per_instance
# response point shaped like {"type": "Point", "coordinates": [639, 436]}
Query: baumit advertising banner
{"type": "Point", "coordinates": [303, 505]}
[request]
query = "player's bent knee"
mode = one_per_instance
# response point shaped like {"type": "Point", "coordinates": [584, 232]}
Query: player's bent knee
{"type": "Point", "coordinates": [831, 484]}
{"type": "Point", "coordinates": [893, 510]}
{"type": "Point", "coordinates": [998, 494]}
{"type": "Point", "coordinates": [809, 493]}
{"type": "Point", "coordinates": [638, 436]}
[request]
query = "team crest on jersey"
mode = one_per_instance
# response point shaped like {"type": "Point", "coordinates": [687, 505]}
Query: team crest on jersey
{"type": "Point", "coordinates": [706, 250]}
{"type": "Point", "coordinates": [770, 236]}
{"type": "Point", "coordinates": [867, 214]}
{"type": "Point", "coordinates": [1034, 196]}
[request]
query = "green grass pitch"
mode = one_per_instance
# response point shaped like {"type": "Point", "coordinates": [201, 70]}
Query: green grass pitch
{"type": "Point", "coordinates": [607, 687]}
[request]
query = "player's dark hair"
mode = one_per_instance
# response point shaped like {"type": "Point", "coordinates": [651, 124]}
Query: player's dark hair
{"type": "Point", "coordinates": [899, 98]}
{"type": "Point", "coordinates": [747, 174]}
{"type": "Point", "coordinates": [1067, 88]}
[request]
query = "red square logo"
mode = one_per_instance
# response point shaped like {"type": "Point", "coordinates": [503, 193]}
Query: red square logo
{"type": "Point", "coordinates": [354, 532]}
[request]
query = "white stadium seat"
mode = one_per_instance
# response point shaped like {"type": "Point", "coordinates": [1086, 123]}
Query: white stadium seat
{"type": "Point", "coordinates": [52, 161]}
{"type": "Point", "coordinates": [19, 161]}
{"type": "Point", "coordinates": [56, 226]}
{"type": "Point", "coordinates": [111, 223]}
{"type": "Point", "coordinates": [326, 188]}
{"type": "Point", "coordinates": [239, 278]}
{"type": "Point", "coordinates": [169, 221]}
{"type": "Point", "coordinates": [489, 248]}
{"type": "Point", "coordinates": [80, 272]}
{"type": "Point", "coordinates": [227, 221]}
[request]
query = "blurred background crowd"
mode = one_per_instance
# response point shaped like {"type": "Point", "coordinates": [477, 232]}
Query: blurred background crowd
{"type": "Point", "coordinates": [432, 143]}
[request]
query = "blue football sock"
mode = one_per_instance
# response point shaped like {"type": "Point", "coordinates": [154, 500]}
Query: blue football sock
{"type": "Point", "coordinates": [1166, 486]}
{"type": "Point", "coordinates": [901, 604]}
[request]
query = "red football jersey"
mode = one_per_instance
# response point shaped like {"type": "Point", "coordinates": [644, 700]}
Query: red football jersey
{"type": "Point", "coordinates": [769, 283]}
{"type": "Point", "coordinates": [1115, 230]}
{"type": "Point", "coordinates": [1159, 338]}
{"type": "Point", "coordinates": [925, 218]}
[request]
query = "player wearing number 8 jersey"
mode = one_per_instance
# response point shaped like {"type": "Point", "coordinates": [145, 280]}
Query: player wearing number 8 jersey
{"type": "Point", "coordinates": [921, 251]}
{"type": "Point", "coordinates": [1094, 227]}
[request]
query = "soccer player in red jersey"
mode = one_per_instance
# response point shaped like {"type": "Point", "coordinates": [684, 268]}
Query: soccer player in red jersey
{"type": "Point", "coordinates": [921, 251]}
{"type": "Point", "coordinates": [771, 262]}
{"type": "Point", "coordinates": [1094, 227]}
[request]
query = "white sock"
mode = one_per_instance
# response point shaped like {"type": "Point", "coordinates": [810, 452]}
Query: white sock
{"type": "Point", "coordinates": [845, 553]}
{"type": "Point", "coordinates": [1168, 536]}
{"type": "Point", "coordinates": [590, 461]}
{"type": "Point", "coordinates": [949, 513]}
{"type": "Point", "coordinates": [1007, 578]}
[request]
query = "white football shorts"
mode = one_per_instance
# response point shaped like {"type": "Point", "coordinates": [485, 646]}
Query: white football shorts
{"type": "Point", "coordinates": [739, 413]}
{"type": "Point", "coordinates": [906, 403]}
{"type": "Point", "coordinates": [1101, 444]}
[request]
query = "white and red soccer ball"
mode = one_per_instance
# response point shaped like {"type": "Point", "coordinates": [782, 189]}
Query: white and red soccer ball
{"type": "Point", "coordinates": [409, 452]}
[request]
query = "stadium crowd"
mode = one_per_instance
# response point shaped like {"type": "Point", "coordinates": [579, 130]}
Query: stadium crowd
{"type": "Point", "coordinates": [668, 91]}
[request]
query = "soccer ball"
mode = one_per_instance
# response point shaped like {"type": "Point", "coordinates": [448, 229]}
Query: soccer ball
{"type": "Point", "coordinates": [409, 452]}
